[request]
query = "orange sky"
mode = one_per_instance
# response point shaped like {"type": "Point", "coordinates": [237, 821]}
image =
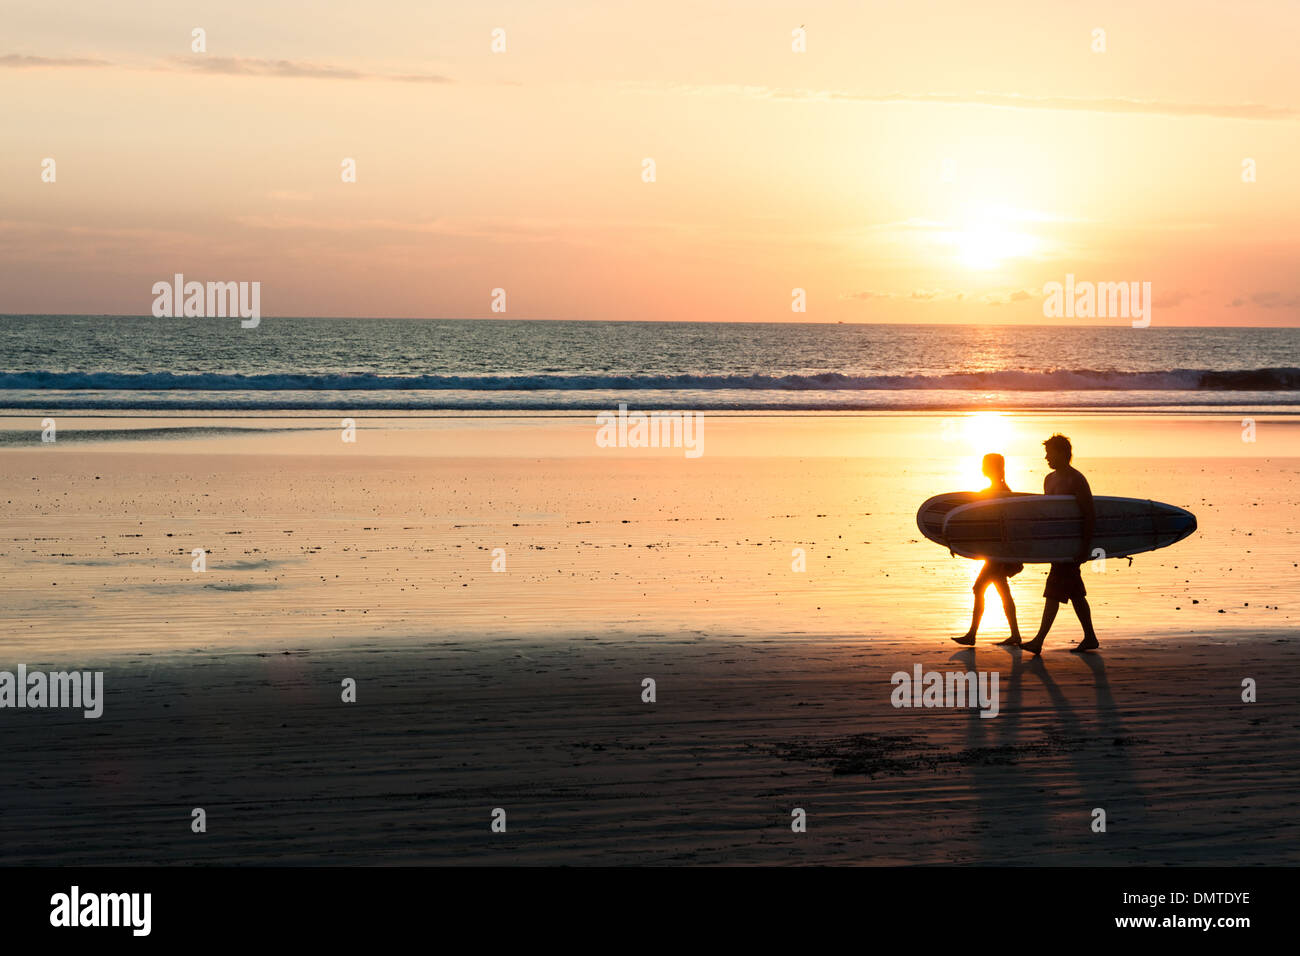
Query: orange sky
{"type": "Point", "coordinates": [921, 162]}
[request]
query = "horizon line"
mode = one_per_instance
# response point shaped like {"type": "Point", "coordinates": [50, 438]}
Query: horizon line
{"type": "Point", "coordinates": [426, 318]}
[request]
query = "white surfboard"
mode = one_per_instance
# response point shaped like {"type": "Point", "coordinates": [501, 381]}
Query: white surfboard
{"type": "Point", "coordinates": [1046, 528]}
{"type": "Point", "coordinates": [930, 516]}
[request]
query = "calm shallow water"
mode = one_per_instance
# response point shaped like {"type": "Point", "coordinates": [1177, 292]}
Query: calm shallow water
{"type": "Point", "coordinates": [314, 542]}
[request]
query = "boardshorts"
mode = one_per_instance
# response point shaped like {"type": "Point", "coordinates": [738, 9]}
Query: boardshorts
{"type": "Point", "coordinates": [1064, 583]}
{"type": "Point", "coordinates": [1006, 569]}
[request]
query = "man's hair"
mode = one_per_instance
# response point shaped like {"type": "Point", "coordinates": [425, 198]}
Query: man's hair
{"type": "Point", "coordinates": [1059, 442]}
{"type": "Point", "coordinates": [995, 463]}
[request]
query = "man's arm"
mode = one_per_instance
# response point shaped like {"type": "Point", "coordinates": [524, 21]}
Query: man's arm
{"type": "Point", "coordinates": [1083, 494]}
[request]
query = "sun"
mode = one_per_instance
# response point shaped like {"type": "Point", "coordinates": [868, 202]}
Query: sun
{"type": "Point", "coordinates": [986, 245]}
{"type": "Point", "coordinates": [986, 236]}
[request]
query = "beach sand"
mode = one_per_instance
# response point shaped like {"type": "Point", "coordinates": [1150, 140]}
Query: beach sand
{"type": "Point", "coordinates": [522, 689]}
{"type": "Point", "coordinates": [741, 734]}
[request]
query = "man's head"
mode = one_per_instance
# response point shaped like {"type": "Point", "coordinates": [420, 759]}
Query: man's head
{"type": "Point", "coordinates": [995, 467]}
{"type": "Point", "coordinates": [1059, 451]}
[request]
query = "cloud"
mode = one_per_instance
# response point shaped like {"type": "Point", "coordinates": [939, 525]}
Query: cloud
{"type": "Point", "coordinates": [1114, 104]}
{"type": "Point", "coordinates": [1275, 300]}
{"type": "Point", "coordinates": [937, 295]}
{"type": "Point", "coordinates": [1267, 300]}
{"type": "Point", "coordinates": [227, 66]}
{"type": "Point", "coordinates": [422, 78]}
{"type": "Point", "coordinates": [292, 69]}
{"type": "Point", "coordinates": [246, 66]}
{"type": "Point", "coordinates": [916, 295]}
{"type": "Point", "coordinates": [1166, 300]}
{"type": "Point", "coordinates": [1006, 298]}
{"type": "Point", "coordinates": [494, 229]}
{"type": "Point", "coordinates": [18, 61]}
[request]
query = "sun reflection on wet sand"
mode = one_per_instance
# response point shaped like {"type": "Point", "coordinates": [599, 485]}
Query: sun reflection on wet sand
{"type": "Point", "coordinates": [315, 541]}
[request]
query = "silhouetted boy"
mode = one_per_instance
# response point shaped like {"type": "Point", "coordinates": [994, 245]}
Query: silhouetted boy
{"type": "Point", "coordinates": [994, 572]}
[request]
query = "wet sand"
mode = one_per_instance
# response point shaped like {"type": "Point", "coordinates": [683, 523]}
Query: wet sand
{"type": "Point", "coordinates": [741, 733]}
{"type": "Point", "coordinates": [802, 528]}
{"type": "Point", "coordinates": [522, 689]}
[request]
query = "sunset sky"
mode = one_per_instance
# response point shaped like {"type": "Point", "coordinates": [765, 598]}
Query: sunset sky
{"type": "Point", "coordinates": [921, 162]}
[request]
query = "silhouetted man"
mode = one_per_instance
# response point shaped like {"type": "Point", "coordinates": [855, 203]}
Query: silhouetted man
{"type": "Point", "coordinates": [1064, 582]}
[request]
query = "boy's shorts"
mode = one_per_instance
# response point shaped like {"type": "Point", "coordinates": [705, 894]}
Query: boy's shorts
{"type": "Point", "coordinates": [1064, 583]}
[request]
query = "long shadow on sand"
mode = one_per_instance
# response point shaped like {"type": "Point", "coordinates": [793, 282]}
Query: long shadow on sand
{"type": "Point", "coordinates": [1093, 741]}
{"type": "Point", "coordinates": [997, 743]}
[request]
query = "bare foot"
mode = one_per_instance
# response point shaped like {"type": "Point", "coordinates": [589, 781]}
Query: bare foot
{"type": "Point", "coordinates": [1012, 641]}
{"type": "Point", "coordinates": [1085, 645]}
{"type": "Point", "coordinates": [1034, 647]}
{"type": "Point", "coordinates": [967, 639]}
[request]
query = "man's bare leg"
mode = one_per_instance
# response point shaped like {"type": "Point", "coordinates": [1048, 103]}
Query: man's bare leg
{"type": "Point", "coordinates": [1084, 612]}
{"type": "Point", "coordinates": [1049, 615]}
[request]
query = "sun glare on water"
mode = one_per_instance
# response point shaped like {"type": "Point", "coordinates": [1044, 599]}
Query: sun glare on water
{"type": "Point", "coordinates": [981, 433]}
{"type": "Point", "coordinates": [978, 434]}
{"type": "Point", "coordinates": [989, 429]}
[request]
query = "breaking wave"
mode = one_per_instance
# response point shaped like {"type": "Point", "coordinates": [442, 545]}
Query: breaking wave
{"type": "Point", "coordinates": [1056, 380]}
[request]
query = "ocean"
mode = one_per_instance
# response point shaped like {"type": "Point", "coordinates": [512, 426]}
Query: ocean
{"type": "Point", "coordinates": [131, 364]}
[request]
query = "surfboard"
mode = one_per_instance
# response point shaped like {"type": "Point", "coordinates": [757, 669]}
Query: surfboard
{"type": "Point", "coordinates": [1045, 528]}
{"type": "Point", "coordinates": [930, 516]}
